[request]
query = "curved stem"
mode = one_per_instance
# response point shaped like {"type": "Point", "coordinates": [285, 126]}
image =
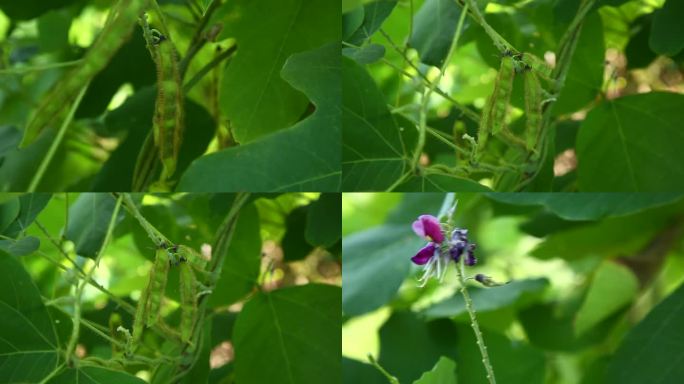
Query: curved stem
{"type": "Point", "coordinates": [81, 287]}
{"type": "Point", "coordinates": [426, 94]}
{"type": "Point", "coordinates": [474, 324]}
{"type": "Point", "coordinates": [56, 142]}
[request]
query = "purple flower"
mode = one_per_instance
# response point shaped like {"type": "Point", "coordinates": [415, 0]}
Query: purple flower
{"type": "Point", "coordinates": [470, 255]}
{"type": "Point", "coordinates": [428, 226]}
{"type": "Point", "coordinates": [425, 254]}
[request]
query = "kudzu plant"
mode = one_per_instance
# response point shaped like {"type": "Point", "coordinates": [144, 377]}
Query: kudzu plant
{"type": "Point", "coordinates": [158, 286]}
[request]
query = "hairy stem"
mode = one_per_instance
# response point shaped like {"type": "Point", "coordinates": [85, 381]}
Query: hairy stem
{"type": "Point", "coordinates": [391, 379]}
{"type": "Point", "coordinates": [81, 287]}
{"type": "Point", "coordinates": [227, 54]}
{"type": "Point", "coordinates": [38, 176]}
{"type": "Point", "coordinates": [426, 94]}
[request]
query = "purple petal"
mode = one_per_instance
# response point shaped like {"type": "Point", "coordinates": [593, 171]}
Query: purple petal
{"type": "Point", "coordinates": [424, 255]}
{"type": "Point", "coordinates": [470, 256]}
{"type": "Point", "coordinates": [428, 226]}
{"type": "Point", "coordinates": [456, 250]}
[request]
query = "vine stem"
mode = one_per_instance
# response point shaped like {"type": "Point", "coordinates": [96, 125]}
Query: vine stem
{"type": "Point", "coordinates": [426, 94]}
{"type": "Point", "coordinates": [460, 272]}
{"type": "Point", "coordinates": [81, 287]}
{"type": "Point", "coordinates": [38, 176]}
{"type": "Point", "coordinates": [474, 324]}
{"type": "Point", "coordinates": [157, 237]}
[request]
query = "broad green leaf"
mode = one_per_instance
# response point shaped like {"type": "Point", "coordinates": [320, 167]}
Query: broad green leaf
{"type": "Point", "coordinates": [28, 343]}
{"type": "Point", "coordinates": [653, 350]}
{"type": "Point", "coordinates": [615, 152]}
{"type": "Point", "coordinates": [373, 155]}
{"type": "Point", "coordinates": [53, 31]}
{"type": "Point", "coordinates": [667, 30]}
{"type": "Point", "coordinates": [294, 243]}
{"type": "Point", "coordinates": [22, 247]}
{"type": "Point", "coordinates": [444, 372]}
{"type": "Point", "coordinates": [89, 218]}
{"type": "Point", "coordinates": [437, 182]}
{"type": "Point", "coordinates": [410, 346]}
{"type": "Point", "coordinates": [254, 97]}
{"type": "Point", "coordinates": [552, 327]}
{"type": "Point", "coordinates": [516, 293]}
{"type": "Point", "coordinates": [612, 288]}
{"type": "Point", "coordinates": [243, 261]}
{"type": "Point", "coordinates": [135, 118]}
{"type": "Point", "coordinates": [374, 264]}
{"type": "Point", "coordinates": [585, 76]}
{"type": "Point", "coordinates": [31, 205]}
{"type": "Point", "coordinates": [588, 206]}
{"type": "Point", "coordinates": [291, 335]}
{"type": "Point", "coordinates": [606, 238]}
{"type": "Point", "coordinates": [513, 361]}
{"type": "Point", "coordinates": [375, 13]}
{"type": "Point", "coordinates": [367, 54]}
{"type": "Point", "coordinates": [9, 210]}
{"type": "Point", "coordinates": [25, 10]}
{"type": "Point", "coordinates": [94, 375]}
{"type": "Point", "coordinates": [324, 221]}
{"type": "Point", "coordinates": [433, 30]}
{"type": "Point", "coordinates": [305, 157]}
{"type": "Point", "coordinates": [351, 21]}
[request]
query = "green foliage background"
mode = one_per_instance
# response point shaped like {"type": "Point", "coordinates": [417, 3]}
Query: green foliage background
{"type": "Point", "coordinates": [276, 303]}
{"type": "Point", "coordinates": [595, 292]}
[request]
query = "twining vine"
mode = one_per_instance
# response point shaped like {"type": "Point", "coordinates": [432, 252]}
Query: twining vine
{"type": "Point", "coordinates": [157, 160]}
{"type": "Point", "coordinates": [542, 85]}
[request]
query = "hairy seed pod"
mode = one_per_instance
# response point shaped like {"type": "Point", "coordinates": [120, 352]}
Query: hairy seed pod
{"type": "Point", "coordinates": [188, 285]}
{"type": "Point", "coordinates": [494, 112]}
{"type": "Point", "coordinates": [537, 65]}
{"type": "Point", "coordinates": [141, 315]}
{"type": "Point", "coordinates": [168, 116]}
{"type": "Point", "coordinates": [193, 257]}
{"type": "Point", "coordinates": [533, 109]}
{"type": "Point", "coordinates": [114, 34]}
{"type": "Point", "coordinates": [158, 278]}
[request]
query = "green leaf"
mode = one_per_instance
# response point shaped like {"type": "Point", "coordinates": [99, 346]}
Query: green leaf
{"type": "Point", "coordinates": [89, 218]}
{"type": "Point", "coordinates": [437, 182]}
{"type": "Point", "coordinates": [442, 373]}
{"type": "Point", "coordinates": [615, 153]}
{"type": "Point", "coordinates": [305, 157]}
{"type": "Point", "coordinates": [367, 54]}
{"type": "Point", "coordinates": [253, 96]}
{"type": "Point", "coordinates": [667, 30]}
{"type": "Point", "coordinates": [31, 205]}
{"type": "Point", "coordinates": [25, 10]}
{"type": "Point", "coordinates": [375, 13]}
{"type": "Point", "coordinates": [433, 30]}
{"type": "Point", "coordinates": [291, 335]}
{"type": "Point", "coordinates": [22, 247]}
{"type": "Point", "coordinates": [351, 21]}
{"type": "Point", "coordinates": [588, 206]}
{"type": "Point", "coordinates": [28, 343]}
{"type": "Point", "coordinates": [324, 221]}
{"type": "Point", "coordinates": [513, 361]}
{"type": "Point", "coordinates": [653, 350]}
{"type": "Point", "coordinates": [53, 31]}
{"type": "Point", "coordinates": [373, 156]}
{"type": "Point", "coordinates": [9, 210]}
{"type": "Point", "coordinates": [612, 288]}
{"type": "Point", "coordinates": [94, 375]}
{"type": "Point", "coordinates": [374, 264]}
{"type": "Point", "coordinates": [294, 243]}
{"type": "Point", "coordinates": [609, 237]}
{"type": "Point", "coordinates": [135, 118]}
{"type": "Point", "coordinates": [410, 346]}
{"type": "Point", "coordinates": [585, 76]}
{"type": "Point", "coordinates": [517, 293]}
{"type": "Point", "coordinates": [243, 261]}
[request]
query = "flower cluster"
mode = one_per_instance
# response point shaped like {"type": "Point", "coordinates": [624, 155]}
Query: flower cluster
{"type": "Point", "coordinates": [437, 253]}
